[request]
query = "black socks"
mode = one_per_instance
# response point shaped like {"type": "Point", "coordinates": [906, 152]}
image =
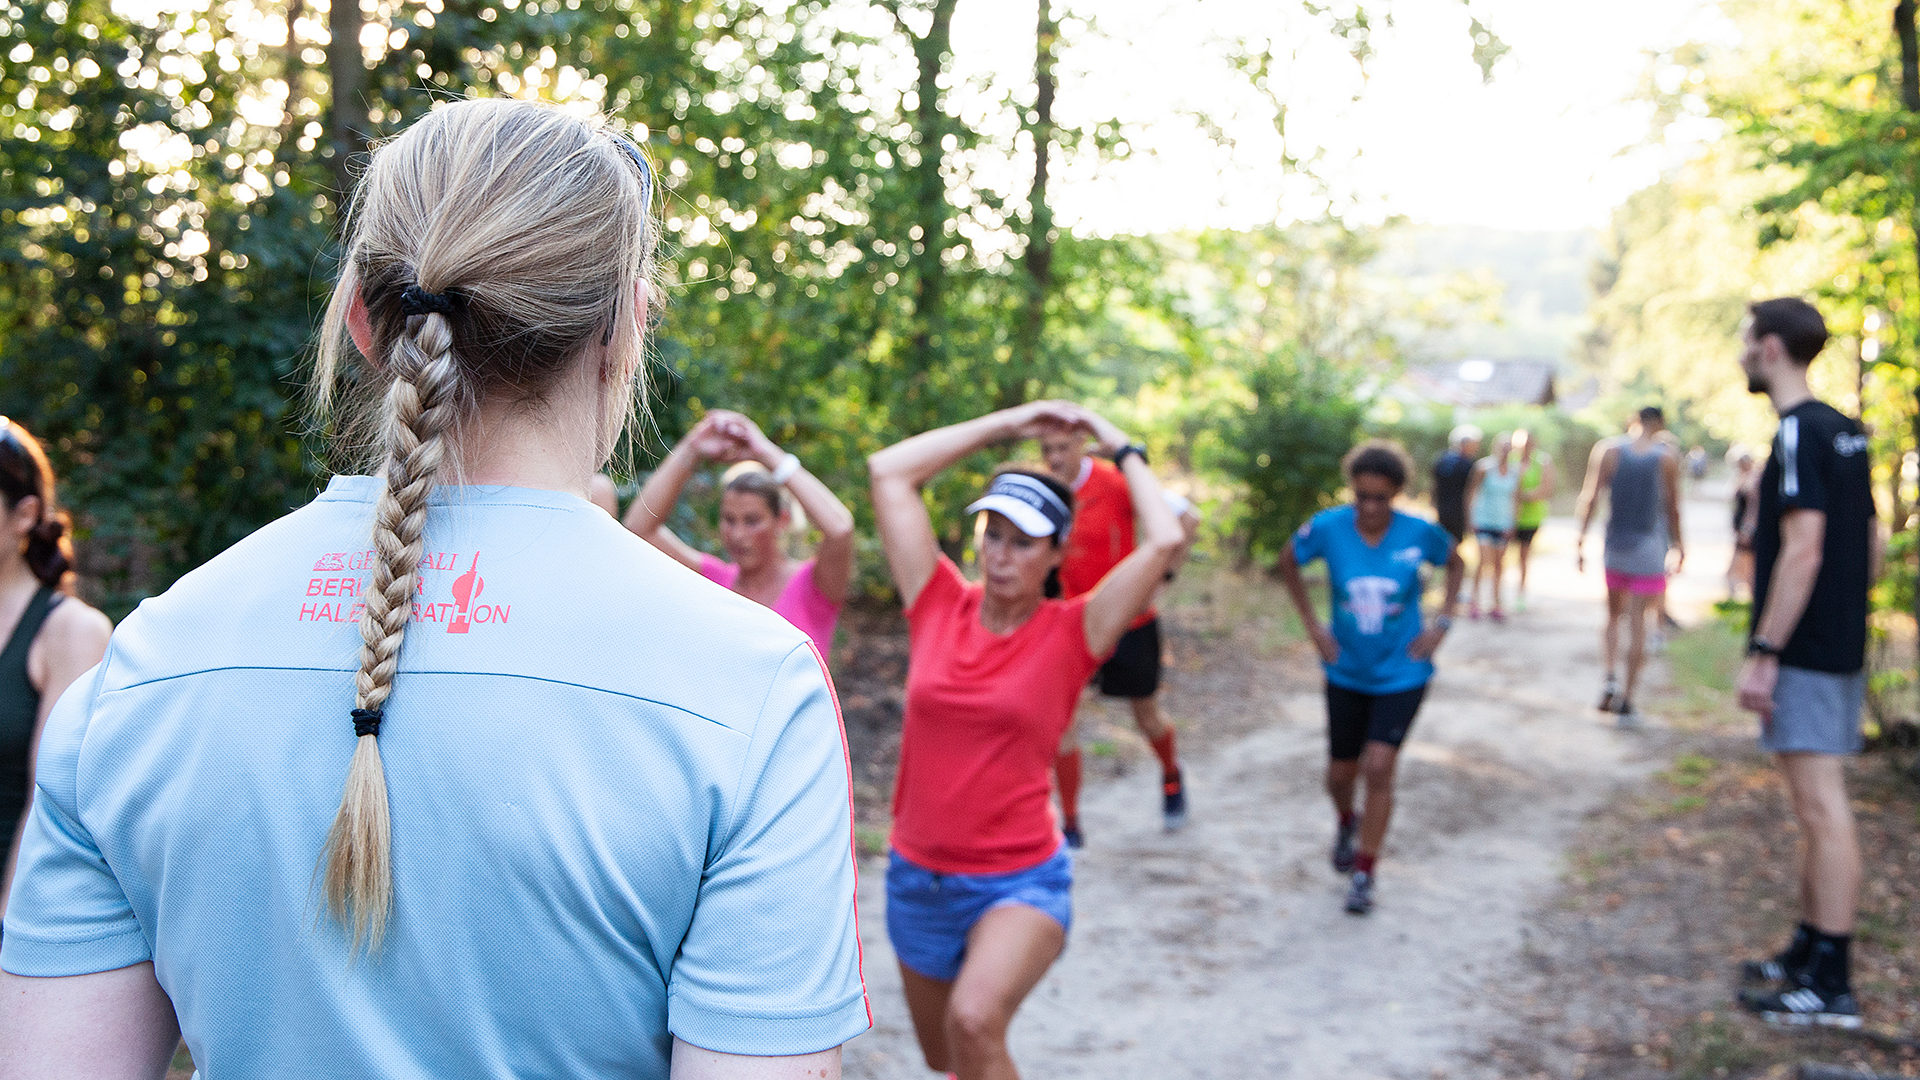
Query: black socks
{"type": "Point", "coordinates": [1827, 969]}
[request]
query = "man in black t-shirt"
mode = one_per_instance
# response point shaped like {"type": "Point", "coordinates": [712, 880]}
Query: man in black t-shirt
{"type": "Point", "coordinates": [1816, 550]}
{"type": "Point", "coordinates": [1451, 472]}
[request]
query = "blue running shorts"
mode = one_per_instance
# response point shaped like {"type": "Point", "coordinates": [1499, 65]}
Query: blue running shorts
{"type": "Point", "coordinates": [930, 914]}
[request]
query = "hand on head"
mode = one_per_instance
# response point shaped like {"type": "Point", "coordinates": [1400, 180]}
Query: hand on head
{"type": "Point", "coordinates": [725, 437]}
{"type": "Point", "coordinates": [1045, 417]}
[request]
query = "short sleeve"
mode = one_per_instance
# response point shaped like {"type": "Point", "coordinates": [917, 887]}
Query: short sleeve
{"type": "Point", "coordinates": [1309, 543]}
{"type": "Point", "coordinates": [1436, 545]}
{"type": "Point", "coordinates": [771, 963]}
{"type": "Point", "coordinates": [67, 914]}
{"type": "Point", "coordinates": [942, 591]}
{"type": "Point", "coordinates": [1804, 451]}
{"type": "Point", "coordinates": [718, 570]}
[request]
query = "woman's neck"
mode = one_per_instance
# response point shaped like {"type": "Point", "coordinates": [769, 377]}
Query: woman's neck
{"type": "Point", "coordinates": [553, 446]}
{"type": "Point", "coordinates": [767, 571]}
{"type": "Point", "coordinates": [15, 575]}
{"type": "Point", "coordinates": [1004, 616]}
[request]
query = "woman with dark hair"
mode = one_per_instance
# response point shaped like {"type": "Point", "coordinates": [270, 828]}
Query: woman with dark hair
{"type": "Point", "coordinates": [1378, 657]}
{"type": "Point", "coordinates": [54, 637]}
{"type": "Point", "coordinates": [979, 882]}
{"type": "Point", "coordinates": [755, 517]}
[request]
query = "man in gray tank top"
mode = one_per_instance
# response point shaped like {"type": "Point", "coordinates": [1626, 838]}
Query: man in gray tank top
{"type": "Point", "coordinates": [1641, 475]}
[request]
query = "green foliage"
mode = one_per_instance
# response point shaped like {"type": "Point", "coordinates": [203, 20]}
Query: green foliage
{"type": "Point", "coordinates": [1287, 448]}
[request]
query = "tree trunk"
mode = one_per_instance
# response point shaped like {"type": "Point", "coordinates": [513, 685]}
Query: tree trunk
{"type": "Point", "coordinates": [347, 72]}
{"type": "Point", "coordinates": [1909, 55]}
{"type": "Point", "coordinates": [931, 211]}
{"type": "Point", "coordinates": [1039, 254]}
{"type": "Point", "coordinates": [292, 66]}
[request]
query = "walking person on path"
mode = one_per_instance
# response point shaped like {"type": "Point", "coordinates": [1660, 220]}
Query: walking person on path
{"type": "Point", "coordinates": [755, 518]}
{"type": "Point", "coordinates": [1452, 474]}
{"type": "Point", "coordinates": [1377, 654]}
{"type": "Point", "coordinates": [52, 637]}
{"type": "Point", "coordinates": [1102, 538]}
{"type": "Point", "coordinates": [1494, 501]}
{"type": "Point", "coordinates": [596, 814]}
{"type": "Point", "coordinates": [1746, 522]}
{"type": "Point", "coordinates": [1817, 551]}
{"type": "Point", "coordinates": [1538, 481]}
{"type": "Point", "coordinates": [979, 880]}
{"type": "Point", "coordinates": [1640, 473]}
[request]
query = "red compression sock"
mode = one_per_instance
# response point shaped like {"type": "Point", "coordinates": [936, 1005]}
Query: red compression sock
{"type": "Point", "coordinates": [1363, 862]}
{"type": "Point", "coordinates": [1066, 770]}
{"type": "Point", "coordinates": [1163, 749]}
{"type": "Point", "coordinates": [1348, 819]}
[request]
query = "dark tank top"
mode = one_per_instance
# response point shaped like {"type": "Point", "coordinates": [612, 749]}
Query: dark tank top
{"type": "Point", "coordinates": [19, 708]}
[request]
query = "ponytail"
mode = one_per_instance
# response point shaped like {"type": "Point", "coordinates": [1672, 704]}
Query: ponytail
{"type": "Point", "coordinates": [419, 410]}
{"type": "Point", "coordinates": [25, 472]}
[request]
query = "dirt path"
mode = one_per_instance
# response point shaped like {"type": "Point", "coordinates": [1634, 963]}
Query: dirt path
{"type": "Point", "coordinates": [1223, 950]}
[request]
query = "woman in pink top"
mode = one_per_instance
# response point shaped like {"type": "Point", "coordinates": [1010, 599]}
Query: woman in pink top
{"type": "Point", "coordinates": [755, 516]}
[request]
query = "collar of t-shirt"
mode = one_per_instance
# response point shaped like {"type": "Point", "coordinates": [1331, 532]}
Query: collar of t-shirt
{"type": "Point", "coordinates": [1086, 473]}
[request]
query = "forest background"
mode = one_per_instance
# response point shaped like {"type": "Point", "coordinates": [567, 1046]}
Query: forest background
{"type": "Point", "coordinates": [861, 243]}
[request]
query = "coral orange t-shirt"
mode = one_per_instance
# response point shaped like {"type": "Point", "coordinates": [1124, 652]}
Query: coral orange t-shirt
{"type": "Point", "coordinates": [1102, 533]}
{"type": "Point", "coordinates": [984, 717]}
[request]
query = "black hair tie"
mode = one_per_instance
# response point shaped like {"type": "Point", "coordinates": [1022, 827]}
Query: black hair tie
{"type": "Point", "coordinates": [415, 300]}
{"type": "Point", "coordinates": [366, 722]}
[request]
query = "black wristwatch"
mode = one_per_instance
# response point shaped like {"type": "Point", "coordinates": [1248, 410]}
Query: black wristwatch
{"type": "Point", "coordinates": [1120, 455]}
{"type": "Point", "coordinates": [1759, 646]}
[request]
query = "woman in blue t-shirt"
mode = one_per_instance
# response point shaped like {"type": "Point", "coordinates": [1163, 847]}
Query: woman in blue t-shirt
{"type": "Point", "coordinates": [1377, 656]}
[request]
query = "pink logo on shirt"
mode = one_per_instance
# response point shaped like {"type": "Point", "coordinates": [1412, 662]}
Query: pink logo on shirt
{"type": "Point", "coordinates": [332, 596]}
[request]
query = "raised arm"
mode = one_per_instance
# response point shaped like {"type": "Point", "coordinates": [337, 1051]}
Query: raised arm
{"type": "Point", "coordinates": [647, 517]}
{"type": "Point", "coordinates": [833, 559]}
{"type": "Point", "coordinates": [1128, 588]}
{"type": "Point", "coordinates": [901, 470]}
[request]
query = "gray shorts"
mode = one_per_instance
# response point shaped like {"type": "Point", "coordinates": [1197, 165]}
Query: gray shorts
{"type": "Point", "coordinates": [1816, 712]}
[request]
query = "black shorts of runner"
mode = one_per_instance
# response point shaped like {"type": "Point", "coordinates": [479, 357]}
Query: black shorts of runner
{"type": "Point", "coordinates": [1355, 719]}
{"type": "Point", "coordinates": [1525, 535]}
{"type": "Point", "coordinates": [1455, 529]}
{"type": "Point", "coordinates": [1133, 671]}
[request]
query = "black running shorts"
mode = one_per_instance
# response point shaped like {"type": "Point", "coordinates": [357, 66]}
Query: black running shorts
{"type": "Point", "coordinates": [1355, 719]}
{"type": "Point", "coordinates": [1133, 671]}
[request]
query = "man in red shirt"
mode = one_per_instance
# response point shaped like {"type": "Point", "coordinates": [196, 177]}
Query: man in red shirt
{"type": "Point", "coordinates": [1101, 537]}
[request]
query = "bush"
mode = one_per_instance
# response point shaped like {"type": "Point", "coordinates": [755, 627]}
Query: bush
{"type": "Point", "coordinates": [1286, 447]}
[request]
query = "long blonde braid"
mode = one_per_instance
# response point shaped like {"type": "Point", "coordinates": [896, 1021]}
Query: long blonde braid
{"type": "Point", "coordinates": [493, 247]}
{"type": "Point", "coordinates": [421, 406]}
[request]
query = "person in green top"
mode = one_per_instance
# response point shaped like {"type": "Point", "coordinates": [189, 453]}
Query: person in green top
{"type": "Point", "coordinates": [1537, 482]}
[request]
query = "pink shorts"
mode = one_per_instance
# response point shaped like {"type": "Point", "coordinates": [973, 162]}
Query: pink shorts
{"type": "Point", "coordinates": [1637, 584]}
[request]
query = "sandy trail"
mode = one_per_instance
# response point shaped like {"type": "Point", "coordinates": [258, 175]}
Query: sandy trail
{"type": "Point", "coordinates": [1223, 950]}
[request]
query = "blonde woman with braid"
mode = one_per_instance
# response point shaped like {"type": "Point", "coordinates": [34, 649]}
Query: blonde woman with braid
{"type": "Point", "coordinates": [571, 841]}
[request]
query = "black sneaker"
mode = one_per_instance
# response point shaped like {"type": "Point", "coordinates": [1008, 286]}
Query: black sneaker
{"type": "Point", "coordinates": [1174, 806]}
{"type": "Point", "coordinates": [1073, 837]}
{"type": "Point", "coordinates": [1360, 893]}
{"type": "Point", "coordinates": [1343, 847]}
{"type": "Point", "coordinates": [1803, 1006]}
{"type": "Point", "coordinates": [1769, 971]}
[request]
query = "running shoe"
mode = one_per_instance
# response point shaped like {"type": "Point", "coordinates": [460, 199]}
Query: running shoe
{"type": "Point", "coordinates": [1072, 834]}
{"type": "Point", "coordinates": [1769, 971]}
{"type": "Point", "coordinates": [1343, 847]}
{"type": "Point", "coordinates": [1804, 1006]}
{"type": "Point", "coordinates": [1473, 610]}
{"type": "Point", "coordinates": [1360, 893]}
{"type": "Point", "coordinates": [1609, 694]}
{"type": "Point", "coordinates": [1520, 604]}
{"type": "Point", "coordinates": [1625, 716]}
{"type": "Point", "coordinates": [1174, 806]}
{"type": "Point", "coordinates": [1497, 615]}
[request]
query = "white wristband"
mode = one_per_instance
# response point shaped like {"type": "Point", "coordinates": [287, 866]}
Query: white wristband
{"type": "Point", "coordinates": [784, 471]}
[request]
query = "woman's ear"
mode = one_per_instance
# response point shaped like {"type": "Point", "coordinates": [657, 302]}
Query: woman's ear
{"type": "Point", "coordinates": [25, 515]}
{"type": "Point", "coordinates": [359, 326]}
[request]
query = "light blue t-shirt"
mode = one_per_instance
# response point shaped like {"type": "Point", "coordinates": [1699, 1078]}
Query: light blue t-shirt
{"type": "Point", "coordinates": [619, 799]}
{"type": "Point", "coordinates": [1376, 595]}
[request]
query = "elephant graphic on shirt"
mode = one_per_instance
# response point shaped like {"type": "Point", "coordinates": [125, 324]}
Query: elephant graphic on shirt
{"type": "Point", "coordinates": [1370, 601]}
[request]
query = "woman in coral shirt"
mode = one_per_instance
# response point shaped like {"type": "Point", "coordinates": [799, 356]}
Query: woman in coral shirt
{"type": "Point", "coordinates": [978, 887]}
